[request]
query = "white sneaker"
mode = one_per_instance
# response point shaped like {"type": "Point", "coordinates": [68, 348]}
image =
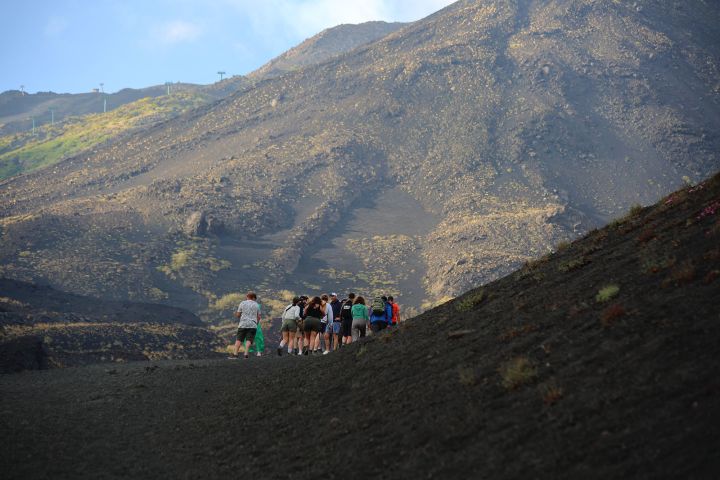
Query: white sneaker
{"type": "Point", "coordinates": [326, 352]}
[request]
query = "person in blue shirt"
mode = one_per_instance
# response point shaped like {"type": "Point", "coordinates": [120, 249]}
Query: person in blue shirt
{"type": "Point", "coordinates": [380, 314]}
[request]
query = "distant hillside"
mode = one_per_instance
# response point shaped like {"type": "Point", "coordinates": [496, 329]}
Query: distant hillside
{"type": "Point", "coordinates": [25, 152]}
{"type": "Point", "coordinates": [598, 361]}
{"type": "Point", "coordinates": [16, 108]}
{"type": "Point", "coordinates": [324, 46]}
{"type": "Point", "coordinates": [41, 327]}
{"type": "Point", "coordinates": [439, 157]}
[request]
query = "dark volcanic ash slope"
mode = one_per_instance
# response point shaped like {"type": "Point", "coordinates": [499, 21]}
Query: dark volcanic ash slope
{"type": "Point", "coordinates": [546, 373]}
{"type": "Point", "coordinates": [513, 125]}
{"type": "Point", "coordinates": [41, 327]}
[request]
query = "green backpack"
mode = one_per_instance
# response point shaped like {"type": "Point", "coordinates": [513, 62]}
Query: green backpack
{"type": "Point", "coordinates": [378, 306]}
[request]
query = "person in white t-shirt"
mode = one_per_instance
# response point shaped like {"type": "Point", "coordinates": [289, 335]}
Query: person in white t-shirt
{"type": "Point", "coordinates": [249, 314]}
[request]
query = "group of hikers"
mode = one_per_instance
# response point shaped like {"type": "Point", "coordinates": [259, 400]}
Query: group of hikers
{"type": "Point", "coordinates": [316, 325]}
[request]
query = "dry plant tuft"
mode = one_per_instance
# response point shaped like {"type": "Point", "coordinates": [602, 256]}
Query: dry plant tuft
{"type": "Point", "coordinates": [610, 314]}
{"type": "Point", "coordinates": [517, 372]}
{"type": "Point", "coordinates": [551, 393]}
{"type": "Point", "coordinates": [682, 274]}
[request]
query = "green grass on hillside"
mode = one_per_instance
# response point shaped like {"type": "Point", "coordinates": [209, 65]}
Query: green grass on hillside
{"type": "Point", "coordinates": [25, 152]}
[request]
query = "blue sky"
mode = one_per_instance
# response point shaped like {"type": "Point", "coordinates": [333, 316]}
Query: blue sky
{"type": "Point", "coordinates": [74, 45]}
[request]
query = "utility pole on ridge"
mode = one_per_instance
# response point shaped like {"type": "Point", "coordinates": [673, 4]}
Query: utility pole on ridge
{"type": "Point", "coordinates": [221, 75]}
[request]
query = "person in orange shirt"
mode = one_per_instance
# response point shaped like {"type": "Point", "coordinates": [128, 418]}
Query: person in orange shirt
{"type": "Point", "coordinates": [395, 310]}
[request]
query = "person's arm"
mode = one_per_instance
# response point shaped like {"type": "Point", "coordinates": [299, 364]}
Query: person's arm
{"type": "Point", "coordinates": [237, 312]}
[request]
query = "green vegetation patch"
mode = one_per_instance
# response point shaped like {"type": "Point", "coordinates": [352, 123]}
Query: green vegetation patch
{"type": "Point", "coordinates": [25, 152]}
{"type": "Point", "coordinates": [606, 293]}
{"type": "Point", "coordinates": [517, 372]}
{"type": "Point", "coordinates": [470, 301]}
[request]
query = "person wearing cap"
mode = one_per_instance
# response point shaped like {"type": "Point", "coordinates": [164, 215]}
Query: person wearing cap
{"type": "Point", "coordinates": [336, 307]}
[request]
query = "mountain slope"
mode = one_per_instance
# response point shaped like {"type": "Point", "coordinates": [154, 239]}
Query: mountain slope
{"type": "Point", "coordinates": [545, 373]}
{"type": "Point", "coordinates": [453, 149]}
{"type": "Point", "coordinates": [41, 327]}
{"type": "Point", "coordinates": [325, 45]}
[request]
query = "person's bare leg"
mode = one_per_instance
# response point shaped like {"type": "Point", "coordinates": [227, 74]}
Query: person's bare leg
{"type": "Point", "coordinates": [291, 341]}
{"type": "Point", "coordinates": [247, 348]}
{"type": "Point", "coordinates": [326, 336]}
{"type": "Point", "coordinates": [336, 341]}
{"type": "Point", "coordinates": [314, 338]}
{"type": "Point", "coordinates": [237, 347]}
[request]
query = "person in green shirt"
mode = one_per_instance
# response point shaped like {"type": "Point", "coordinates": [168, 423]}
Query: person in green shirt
{"type": "Point", "coordinates": [360, 319]}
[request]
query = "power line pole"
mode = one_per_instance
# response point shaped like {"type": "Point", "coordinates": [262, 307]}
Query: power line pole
{"type": "Point", "coordinates": [167, 84]}
{"type": "Point", "coordinates": [104, 104]}
{"type": "Point", "coordinates": [221, 75]}
{"type": "Point", "coordinates": [101, 87]}
{"type": "Point", "coordinates": [33, 121]}
{"type": "Point", "coordinates": [22, 90]}
{"type": "Point", "coordinates": [52, 117]}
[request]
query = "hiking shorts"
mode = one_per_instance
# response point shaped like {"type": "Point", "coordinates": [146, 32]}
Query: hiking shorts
{"type": "Point", "coordinates": [289, 325]}
{"type": "Point", "coordinates": [347, 327]}
{"type": "Point", "coordinates": [336, 328]}
{"type": "Point", "coordinates": [312, 324]}
{"type": "Point", "coordinates": [323, 327]}
{"type": "Point", "coordinates": [246, 334]}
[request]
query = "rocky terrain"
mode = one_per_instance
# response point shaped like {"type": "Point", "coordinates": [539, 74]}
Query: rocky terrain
{"type": "Point", "coordinates": [596, 361]}
{"type": "Point", "coordinates": [41, 327]}
{"type": "Point", "coordinates": [459, 146]}
{"type": "Point", "coordinates": [325, 45]}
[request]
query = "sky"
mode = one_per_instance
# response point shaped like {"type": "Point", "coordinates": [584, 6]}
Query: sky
{"type": "Point", "coordinates": [71, 46]}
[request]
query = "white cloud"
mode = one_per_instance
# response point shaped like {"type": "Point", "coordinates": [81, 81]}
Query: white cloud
{"type": "Point", "coordinates": [177, 31]}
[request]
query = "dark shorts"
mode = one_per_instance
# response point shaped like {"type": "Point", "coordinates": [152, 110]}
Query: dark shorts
{"type": "Point", "coordinates": [246, 334]}
{"type": "Point", "coordinates": [347, 327]}
{"type": "Point", "coordinates": [323, 327]}
{"type": "Point", "coordinates": [289, 326]}
{"type": "Point", "coordinates": [378, 326]}
{"type": "Point", "coordinates": [312, 324]}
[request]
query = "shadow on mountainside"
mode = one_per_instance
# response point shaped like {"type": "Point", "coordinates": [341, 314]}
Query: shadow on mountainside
{"type": "Point", "coordinates": [598, 361]}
